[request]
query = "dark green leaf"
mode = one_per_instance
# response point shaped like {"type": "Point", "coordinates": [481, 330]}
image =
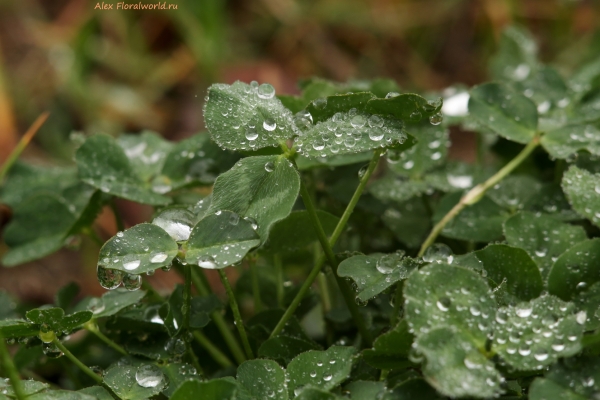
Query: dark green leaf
{"type": "Point", "coordinates": [142, 248]}
{"type": "Point", "coordinates": [583, 191]}
{"type": "Point", "coordinates": [284, 348]}
{"type": "Point", "coordinates": [216, 389]}
{"type": "Point", "coordinates": [504, 111]}
{"type": "Point", "coordinates": [178, 373]}
{"type": "Point", "coordinates": [111, 302]}
{"type": "Point", "coordinates": [455, 366]}
{"type": "Point", "coordinates": [408, 107]}
{"type": "Point", "coordinates": [29, 387]}
{"type": "Point", "coordinates": [262, 188]}
{"type": "Point", "coordinates": [546, 389]}
{"type": "Point", "coordinates": [320, 369]}
{"type": "Point", "coordinates": [220, 240]}
{"type": "Point", "coordinates": [146, 152]}
{"type": "Point", "coordinates": [447, 295]}
{"type": "Point", "coordinates": [103, 164]}
{"type": "Point", "coordinates": [563, 142]}
{"type": "Point", "coordinates": [65, 296]}
{"type": "Point", "coordinates": [97, 392]}
{"type": "Point", "coordinates": [393, 188]}
{"type": "Point", "coordinates": [245, 117]}
{"type": "Point", "coordinates": [522, 275]}
{"type": "Point", "coordinates": [577, 378]}
{"type": "Point", "coordinates": [514, 191]}
{"type": "Point", "coordinates": [516, 56]}
{"type": "Point", "coordinates": [324, 109]}
{"type": "Point", "coordinates": [408, 221]}
{"type": "Point", "coordinates": [550, 199]}
{"type": "Point", "coordinates": [576, 269]}
{"type": "Point", "coordinates": [543, 237]}
{"type": "Point", "coordinates": [296, 231]}
{"type": "Point", "coordinates": [7, 306]}
{"type": "Point", "coordinates": [532, 335]}
{"type": "Point", "coordinates": [15, 328]}
{"type": "Point", "coordinates": [588, 300]}
{"type": "Point", "coordinates": [390, 350]}
{"type": "Point", "coordinates": [413, 389]}
{"type": "Point", "coordinates": [263, 379]}
{"type": "Point", "coordinates": [135, 381]}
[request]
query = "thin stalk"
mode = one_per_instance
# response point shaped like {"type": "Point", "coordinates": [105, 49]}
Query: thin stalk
{"type": "Point", "coordinates": [78, 363]}
{"type": "Point", "coordinates": [324, 291]}
{"type": "Point", "coordinates": [11, 370]}
{"type": "Point", "coordinates": [93, 328]}
{"type": "Point", "coordinates": [279, 279]}
{"type": "Point", "coordinates": [118, 219]}
{"type": "Point", "coordinates": [203, 289]}
{"type": "Point", "coordinates": [475, 194]}
{"type": "Point", "coordinates": [89, 232]}
{"type": "Point", "coordinates": [239, 323]}
{"type": "Point", "coordinates": [332, 240]}
{"type": "Point", "coordinates": [397, 304]}
{"type": "Point", "coordinates": [16, 152]}
{"type": "Point", "coordinates": [187, 296]}
{"type": "Point", "coordinates": [195, 362]}
{"type": "Point", "coordinates": [214, 351]}
{"type": "Point", "coordinates": [255, 286]}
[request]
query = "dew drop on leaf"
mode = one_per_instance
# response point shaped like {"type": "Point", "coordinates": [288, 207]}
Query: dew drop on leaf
{"type": "Point", "coordinates": [158, 257]}
{"type": "Point", "coordinates": [131, 265]}
{"type": "Point", "coordinates": [436, 119]}
{"type": "Point", "coordinates": [148, 376]}
{"type": "Point", "coordinates": [266, 91]}
{"type": "Point", "coordinates": [132, 281]}
{"type": "Point", "coordinates": [269, 167]}
{"type": "Point", "coordinates": [109, 278]}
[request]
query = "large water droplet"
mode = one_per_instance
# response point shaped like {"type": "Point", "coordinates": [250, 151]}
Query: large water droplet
{"type": "Point", "coordinates": [270, 166]}
{"type": "Point", "coordinates": [320, 103]}
{"type": "Point", "coordinates": [51, 350]}
{"type": "Point", "coordinates": [177, 222]}
{"type": "Point", "coordinates": [131, 265]}
{"type": "Point", "coordinates": [387, 263]}
{"type": "Point", "coordinates": [251, 133]}
{"type": "Point", "coordinates": [207, 262]}
{"type": "Point", "coordinates": [148, 376]}
{"type": "Point", "coordinates": [436, 119]}
{"type": "Point", "coordinates": [269, 124]}
{"type": "Point", "coordinates": [439, 253]}
{"type": "Point", "coordinates": [358, 121]}
{"type": "Point", "coordinates": [109, 278]}
{"type": "Point", "coordinates": [524, 311]}
{"type": "Point", "coordinates": [443, 304]}
{"type": "Point", "coordinates": [266, 91]}
{"type": "Point", "coordinates": [159, 257]}
{"type": "Point", "coordinates": [132, 281]}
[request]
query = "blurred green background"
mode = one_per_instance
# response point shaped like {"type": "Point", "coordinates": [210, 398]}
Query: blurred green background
{"type": "Point", "coordinates": [113, 71]}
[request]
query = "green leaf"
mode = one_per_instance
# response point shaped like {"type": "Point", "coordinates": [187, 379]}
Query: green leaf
{"type": "Point", "coordinates": [429, 152]}
{"type": "Point", "coordinates": [349, 133]}
{"type": "Point", "coordinates": [263, 188]}
{"type": "Point", "coordinates": [216, 389]}
{"type": "Point", "coordinates": [201, 308]}
{"type": "Point", "coordinates": [447, 295]}
{"type": "Point", "coordinates": [504, 111]}
{"type": "Point", "coordinates": [532, 335]}
{"type": "Point", "coordinates": [296, 231]}
{"type": "Point", "coordinates": [393, 188]}
{"type": "Point", "coordinates": [178, 373]}
{"type": "Point", "coordinates": [375, 273]}
{"type": "Point", "coordinates": [103, 164]}
{"type": "Point", "coordinates": [588, 300]}
{"type": "Point", "coordinates": [546, 389]}
{"type": "Point", "coordinates": [30, 387]}
{"type": "Point", "coordinates": [390, 350]}
{"type": "Point", "coordinates": [514, 191]}
{"type": "Point", "coordinates": [305, 163]}
{"type": "Point", "coordinates": [7, 306]}
{"type": "Point", "coordinates": [111, 302]}
{"type": "Point", "coordinates": [568, 140]}
{"type": "Point", "coordinates": [413, 389]}
{"type": "Point", "coordinates": [480, 222]}
{"type": "Point", "coordinates": [142, 248]}
{"type": "Point", "coordinates": [522, 275]}
{"type": "Point", "coordinates": [16, 328]}
{"type": "Point", "coordinates": [542, 236]}
{"type": "Point", "coordinates": [365, 389]}
{"type": "Point", "coordinates": [55, 319]}
{"type": "Point", "coordinates": [75, 320]}
{"type": "Point", "coordinates": [60, 395]}
{"type": "Point", "coordinates": [146, 152]}
{"type": "Point", "coordinates": [220, 240]}
{"type": "Point", "coordinates": [575, 269]}
{"type": "Point", "coordinates": [311, 393]}
{"type": "Point", "coordinates": [195, 160]}
{"type": "Point", "coordinates": [516, 56]}
{"type": "Point", "coordinates": [454, 365]}
{"type": "Point", "coordinates": [408, 221]}
{"type": "Point", "coordinates": [173, 319]}
{"type": "Point", "coordinates": [284, 348]}
{"type": "Point", "coordinates": [42, 223]}
{"type": "Point", "coordinates": [97, 392]}
{"type": "Point", "coordinates": [320, 369]}
{"type": "Point", "coordinates": [135, 381]}
{"type": "Point", "coordinates": [263, 379]}
{"type": "Point", "coordinates": [244, 117]}
{"type": "Point", "coordinates": [65, 295]}
{"type": "Point", "coordinates": [408, 107]}
{"type": "Point", "coordinates": [324, 109]}
{"type": "Point", "coordinates": [582, 189]}
{"type": "Point", "coordinates": [550, 199]}
{"type": "Point", "coordinates": [577, 377]}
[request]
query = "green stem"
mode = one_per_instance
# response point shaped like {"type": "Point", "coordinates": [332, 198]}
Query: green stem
{"type": "Point", "coordinates": [117, 214]}
{"type": "Point", "coordinates": [324, 290]}
{"type": "Point", "coordinates": [187, 296]}
{"type": "Point", "coordinates": [78, 363]}
{"type": "Point", "coordinates": [214, 351]}
{"type": "Point", "coordinates": [255, 286]}
{"type": "Point", "coordinates": [193, 357]}
{"type": "Point", "coordinates": [16, 152]}
{"type": "Point", "coordinates": [397, 304]}
{"type": "Point", "coordinates": [89, 232]}
{"type": "Point", "coordinates": [332, 240]}
{"type": "Point", "coordinates": [239, 323]}
{"type": "Point", "coordinates": [475, 194]}
{"type": "Point", "coordinates": [279, 279]}
{"type": "Point", "coordinates": [93, 328]}
{"type": "Point", "coordinates": [11, 370]}
{"type": "Point", "coordinates": [203, 289]}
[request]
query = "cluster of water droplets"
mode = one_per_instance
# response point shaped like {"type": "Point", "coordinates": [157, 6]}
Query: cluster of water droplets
{"type": "Point", "coordinates": [532, 335]}
{"type": "Point", "coordinates": [322, 372]}
{"type": "Point", "coordinates": [583, 187]}
{"type": "Point", "coordinates": [349, 132]}
{"type": "Point", "coordinates": [246, 116]}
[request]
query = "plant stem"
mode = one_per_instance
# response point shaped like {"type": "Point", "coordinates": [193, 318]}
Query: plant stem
{"type": "Point", "coordinates": [89, 232]}
{"type": "Point", "coordinates": [255, 286]}
{"type": "Point", "coordinates": [93, 328]}
{"type": "Point", "coordinates": [476, 193]}
{"type": "Point", "coordinates": [279, 279]}
{"type": "Point", "coordinates": [11, 370]}
{"type": "Point", "coordinates": [204, 290]}
{"type": "Point", "coordinates": [324, 290]}
{"type": "Point", "coordinates": [397, 304]}
{"type": "Point", "coordinates": [332, 240]}
{"type": "Point", "coordinates": [195, 362]}
{"type": "Point", "coordinates": [117, 214]}
{"type": "Point", "coordinates": [187, 296]}
{"type": "Point", "coordinates": [213, 350]}
{"type": "Point", "coordinates": [76, 361]}
{"type": "Point", "coordinates": [16, 152]}
{"type": "Point", "coordinates": [239, 323]}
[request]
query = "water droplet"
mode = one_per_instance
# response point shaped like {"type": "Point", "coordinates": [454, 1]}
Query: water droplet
{"type": "Point", "coordinates": [313, 374]}
{"type": "Point", "coordinates": [524, 311]}
{"type": "Point", "coordinates": [415, 116]}
{"type": "Point", "coordinates": [387, 263]}
{"type": "Point", "coordinates": [318, 145]}
{"type": "Point", "coordinates": [581, 317]}
{"type": "Point", "coordinates": [443, 303]}
{"type": "Point", "coordinates": [51, 350]}
{"type": "Point", "coordinates": [252, 221]}
{"type": "Point", "coordinates": [540, 355]}
{"type": "Point", "coordinates": [109, 278]}
{"type": "Point", "coordinates": [131, 265]}
{"type": "Point", "coordinates": [148, 376]}
{"type": "Point", "coordinates": [159, 257]}
{"type": "Point", "coordinates": [266, 91]}
{"type": "Point", "coordinates": [177, 222]}
{"type": "Point", "coordinates": [207, 262]}
{"type": "Point", "coordinates": [120, 234]}
{"type": "Point", "coordinates": [269, 124]}
{"type": "Point", "coordinates": [251, 133]}
{"type": "Point", "coordinates": [320, 103]}
{"type": "Point", "coordinates": [327, 377]}
{"type": "Point", "coordinates": [234, 219]}
{"type": "Point", "coordinates": [362, 171]}
{"type": "Point", "coordinates": [269, 167]}
{"type": "Point", "coordinates": [132, 282]}
{"type": "Point", "coordinates": [358, 121]}
{"type": "Point", "coordinates": [436, 119]}
{"type": "Point", "coordinates": [96, 305]}
{"type": "Point", "coordinates": [391, 95]}
{"type": "Point", "coordinates": [439, 253]}
{"type": "Point", "coordinates": [472, 361]}
{"type": "Point", "coordinates": [524, 350]}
